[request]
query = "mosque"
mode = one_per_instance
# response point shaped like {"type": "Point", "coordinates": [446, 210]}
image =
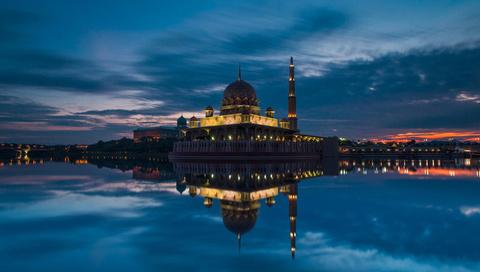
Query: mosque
{"type": "Point", "coordinates": [240, 116]}
{"type": "Point", "coordinates": [240, 130]}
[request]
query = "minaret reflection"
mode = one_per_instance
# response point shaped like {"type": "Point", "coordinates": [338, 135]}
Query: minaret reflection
{"type": "Point", "coordinates": [292, 212]}
{"type": "Point", "coordinates": [292, 192]}
{"type": "Point", "coordinates": [239, 188]}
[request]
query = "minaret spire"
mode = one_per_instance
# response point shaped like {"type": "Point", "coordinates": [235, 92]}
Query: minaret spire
{"type": "Point", "coordinates": [239, 72]}
{"type": "Point", "coordinates": [239, 242]}
{"type": "Point", "coordinates": [292, 100]}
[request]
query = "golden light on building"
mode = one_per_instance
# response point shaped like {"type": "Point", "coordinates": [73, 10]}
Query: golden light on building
{"type": "Point", "coordinates": [82, 161]}
{"type": "Point", "coordinates": [239, 119]}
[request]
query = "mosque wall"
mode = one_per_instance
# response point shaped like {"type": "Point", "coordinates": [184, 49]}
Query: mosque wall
{"type": "Point", "coordinates": [247, 146]}
{"type": "Point", "coordinates": [237, 119]}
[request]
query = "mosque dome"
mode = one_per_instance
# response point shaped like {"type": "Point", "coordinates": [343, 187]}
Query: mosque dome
{"type": "Point", "coordinates": [181, 188]}
{"type": "Point", "coordinates": [284, 120]}
{"type": "Point", "coordinates": [193, 118]}
{"type": "Point", "coordinates": [181, 121]}
{"type": "Point", "coordinates": [240, 89]}
{"type": "Point", "coordinates": [269, 109]}
{"type": "Point", "coordinates": [209, 108]}
{"type": "Point", "coordinates": [240, 222]}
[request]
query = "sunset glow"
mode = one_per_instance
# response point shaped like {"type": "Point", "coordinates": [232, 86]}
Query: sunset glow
{"type": "Point", "coordinates": [440, 172]}
{"type": "Point", "coordinates": [467, 136]}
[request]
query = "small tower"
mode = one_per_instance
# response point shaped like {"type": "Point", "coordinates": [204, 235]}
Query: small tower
{"type": "Point", "coordinates": [270, 201]}
{"type": "Point", "coordinates": [193, 122]}
{"type": "Point", "coordinates": [181, 122]}
{"type": "Point", "coordinates": [209, 111]}
{"type": "Point", "coordinates": [269, 112]}
{"type": "Point", "coordinates": [208, 202]}
{"type": "Point", "coordinates": [285, 189]}
{"type": "Point", "coordinates": [292, 100]}
{"type": "Point", "coordinates": [284, 123]}
{"type": "Point", "coordinates": [192, 191]}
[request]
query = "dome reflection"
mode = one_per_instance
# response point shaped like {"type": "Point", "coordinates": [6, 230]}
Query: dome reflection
{"type": "Point", "coordinates": [239, 188]}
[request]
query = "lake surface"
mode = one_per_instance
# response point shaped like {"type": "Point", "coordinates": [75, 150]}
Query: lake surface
{"type": "Point", "coordinates": [124, 215]}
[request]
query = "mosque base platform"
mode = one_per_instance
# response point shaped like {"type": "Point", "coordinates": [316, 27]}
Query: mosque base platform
{"type": "Point", "coordinates": [243, 156]}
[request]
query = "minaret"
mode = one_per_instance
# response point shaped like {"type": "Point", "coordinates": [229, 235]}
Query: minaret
{"type": "Point", "coordinates": [292, 100]}
{"type": "Point", "coordinates": [292, 212]}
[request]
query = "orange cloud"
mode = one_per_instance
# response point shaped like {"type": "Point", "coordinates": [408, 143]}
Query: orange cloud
{"type": "Point", "coordinates": [471, 135]}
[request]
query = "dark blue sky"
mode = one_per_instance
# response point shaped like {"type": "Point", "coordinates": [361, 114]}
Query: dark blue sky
{"type": "Point", "coordinates": [79, 72]}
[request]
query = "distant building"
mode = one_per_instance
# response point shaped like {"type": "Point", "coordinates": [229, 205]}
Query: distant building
{"type": "Point", "coordinates": [156, 133]}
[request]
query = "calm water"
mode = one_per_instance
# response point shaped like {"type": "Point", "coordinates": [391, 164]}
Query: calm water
{"type": "Point", "coordinates": [154, 216]}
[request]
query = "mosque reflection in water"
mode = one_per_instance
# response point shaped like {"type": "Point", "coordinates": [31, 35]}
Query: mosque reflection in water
{"type": "Point", "coordinates": [241, 187]}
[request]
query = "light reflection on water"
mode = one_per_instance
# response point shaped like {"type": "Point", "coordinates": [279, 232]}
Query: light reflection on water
{"type": "Point", "coordinates": [364, 215]}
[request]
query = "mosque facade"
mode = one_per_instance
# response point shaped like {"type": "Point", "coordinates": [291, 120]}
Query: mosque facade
{"type": "Point", "coordinates": [240, 117]}
{"type": "Point", "coordinates": [241, 129]}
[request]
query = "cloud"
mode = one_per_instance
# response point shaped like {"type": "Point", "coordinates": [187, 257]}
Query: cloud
{"type": "Point", "coordinates": [39, 126]}
{"type": "Point", "coordinates": [467, 97]}
{"type": "Point", "coordinates": [415, 90]}
{"type": "Point", "coordinates": [321, 252]}
{"type": "Point", "coordinates": [64, 203]}
{"type": "Point", "coordinates": [41, 60]}
{"type": "Point", "coordinates": [432, 135]}
{"type": "Point", "coordinates": [196, 60]}
{"type": "Point", "coordinates": [44, 179]}
{"type": "Point", "coordinates": [137, 186]}
{"type": "Point", "coordinates": [469, 211]}
{"type": "Point", "coordinates": [216, 219]}
{"type": "Point", "coordinates": [23, 109]}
